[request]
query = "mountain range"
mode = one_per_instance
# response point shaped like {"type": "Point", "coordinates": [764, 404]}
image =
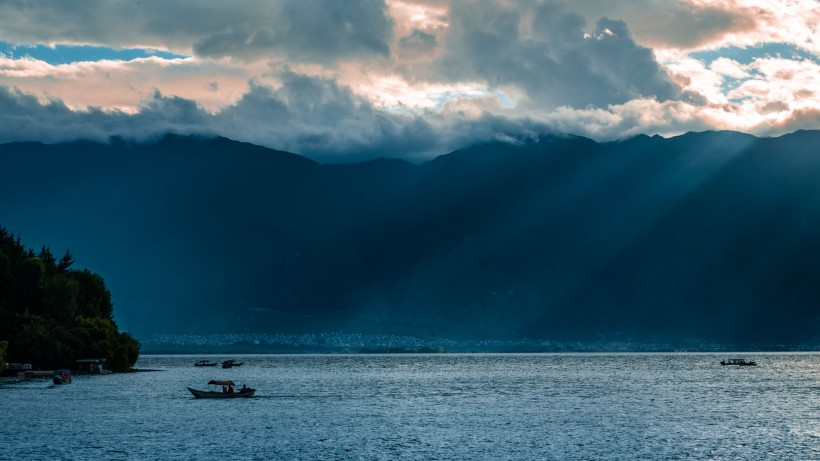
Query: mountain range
{"type": "Point", "coordinates": [705, 235]}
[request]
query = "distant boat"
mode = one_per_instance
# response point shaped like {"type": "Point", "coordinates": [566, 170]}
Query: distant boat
{"type": "Point", "coordinates": [205, 363]}
{"type": "Point", "coordinates": [227, 391]}
{"type": "Point", "coordinates": [231, 363]}
{"type": "Point", "coordinates": [62, 377]}
{"type": "Point", "coordinates": [739, 362]}
{"type": "Point", "coordinates": [91, 367]}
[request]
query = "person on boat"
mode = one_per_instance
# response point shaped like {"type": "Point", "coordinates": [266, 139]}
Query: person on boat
{"type": "Point", "coordinates": [230, 389]}
{"type": "Point", "coordinates": [244, 388]}
{"type": "Point", "coordinates": [224, 390]}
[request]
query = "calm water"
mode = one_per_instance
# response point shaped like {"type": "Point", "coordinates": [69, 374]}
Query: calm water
{"type": "Point", "coordinates": [573, 406]}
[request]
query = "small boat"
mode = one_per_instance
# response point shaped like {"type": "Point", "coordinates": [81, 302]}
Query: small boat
{"type": "Point", "coordinates": [739, 362]}
{"type": "Point", "coordinates": [205, 363]}
{"type": "Point", "coordinates": [227, 391]}
{"type": "Point", "coordinates": [62, 377]}
{"type": "Point", "coordinates": [231, 363]}
{"type": "Point", "coordinates": [92, 367]}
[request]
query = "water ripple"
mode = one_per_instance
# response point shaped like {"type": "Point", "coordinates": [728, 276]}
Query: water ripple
{"type": "Point", "coordinates": [482, 406]}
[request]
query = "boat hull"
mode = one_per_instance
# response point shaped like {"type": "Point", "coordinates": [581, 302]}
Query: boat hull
{"type": "Point", "coordinates": [61, 377]}
{"type": "Point", "coordinates": [248, 393]}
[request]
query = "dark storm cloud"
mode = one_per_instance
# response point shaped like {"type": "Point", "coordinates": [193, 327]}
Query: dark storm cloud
{"type": "Point", "coordinates": [307, 115]}
{"type": "Point", "coordinates": [673, 23]}
{"type": "Point", "coordinates": [307, 30]}
{"type": "Point", "coordinates": [688, 26]}
{"type": "Point", "coordinates": [317, 117]}
{"type": "Point", "coordinates": [327, 122]}
{"type": "Point", "coordinates": [304, 30]}
{"type": "Point", "coordinates": [543, 50]}
{"type": "Point", "coordinates": [24, 118]}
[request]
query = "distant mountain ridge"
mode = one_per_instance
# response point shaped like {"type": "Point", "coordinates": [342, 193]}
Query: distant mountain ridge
{"type": "Point", "coordinates": [711, 234]}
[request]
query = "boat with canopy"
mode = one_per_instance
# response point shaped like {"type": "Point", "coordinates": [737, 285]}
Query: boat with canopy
{"type": "Point", "coordinates": [227, 392]}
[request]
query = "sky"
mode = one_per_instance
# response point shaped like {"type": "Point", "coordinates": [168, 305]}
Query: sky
{"type": "Point", "coordinates": [354, 79]}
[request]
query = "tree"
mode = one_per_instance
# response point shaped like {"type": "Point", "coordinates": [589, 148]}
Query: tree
{"type": "Point", "coordinates": [93, 298]}
{"type": "Point", "coordinates": [99, 338]}
{"type": "Point", "coordinates": [65, 262]}
{"type": "Point", "coordinates": [52, 314]}
{"type": "Point", "coordinates": [48, 259]}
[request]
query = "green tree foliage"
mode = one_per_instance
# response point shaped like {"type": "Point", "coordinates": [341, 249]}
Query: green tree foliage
{"type": "Point", "coordinates": [51, 314]}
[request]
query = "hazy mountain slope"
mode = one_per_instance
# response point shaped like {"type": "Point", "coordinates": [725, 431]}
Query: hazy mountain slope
{"type": "Point", "coordinates": [708, 234]}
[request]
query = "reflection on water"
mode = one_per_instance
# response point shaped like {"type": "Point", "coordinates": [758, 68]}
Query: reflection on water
{"type": "Point", "coordinates": [551, 406]}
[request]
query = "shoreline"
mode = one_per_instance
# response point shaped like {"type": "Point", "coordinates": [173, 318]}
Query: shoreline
{"type": "Point", "coordinates": [47, 374]}
{"type": "Point", "coordinates": [450, 353]}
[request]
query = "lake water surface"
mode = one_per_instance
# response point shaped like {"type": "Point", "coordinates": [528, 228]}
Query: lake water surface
{"type": "Point", "coordinates": [445, 406]}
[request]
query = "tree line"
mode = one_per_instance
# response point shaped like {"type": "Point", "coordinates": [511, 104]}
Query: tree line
{"type": "Point", "coordinates": [52, 314]}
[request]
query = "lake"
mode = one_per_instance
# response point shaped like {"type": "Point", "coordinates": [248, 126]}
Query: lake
{"type": "Point", "coordinates": [438, 406]}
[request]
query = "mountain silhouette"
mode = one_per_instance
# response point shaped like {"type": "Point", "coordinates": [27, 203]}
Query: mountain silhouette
{"type": "Point", "coordinates": [705, 235]}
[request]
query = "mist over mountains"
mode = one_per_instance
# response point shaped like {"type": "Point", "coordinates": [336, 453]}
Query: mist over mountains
{"type": "Point", "coordinates": [710, 235]}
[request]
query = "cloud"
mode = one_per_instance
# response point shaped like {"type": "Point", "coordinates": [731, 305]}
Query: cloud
{"type": "Point", "coordinates": [319, 28]}
{"type": "Point", "coordinates": [24, 118]}
{"type": "Point", "coordinates": [305, 30]}
{"type": "Point", "coordinates": [800, 119]}
{"type": "Point", "coordinates": [412, 78]}
{"type": "Point", "coordinates": [316, 117]}
{"type": "Point", "coordinates": [689, 25]}
{"type": "Point", "coordinates": [781, 86]}
{"type": "Point", "coordinates": [307, 115]}
{"type": "Point", "coordinates": [679, 24]}
{"type": "Point", "coordinates": [543, 50]}
{"type": "Point", "coordinates": [784, 21]}
{"type": "Point", "coordinates": [729, 68]}
{"type": "Point", "coordinates": [418, 42]}
{"type": "Point", "coordinates": [538, 48]}
{"type": "Point", "coordinates": [125, 84]}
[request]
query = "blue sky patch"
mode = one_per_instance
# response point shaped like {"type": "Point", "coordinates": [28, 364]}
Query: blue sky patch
{"type": "Point", "coordinates": [66, 54]}
{"type": "Point", "coordinates": [749, 54]}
